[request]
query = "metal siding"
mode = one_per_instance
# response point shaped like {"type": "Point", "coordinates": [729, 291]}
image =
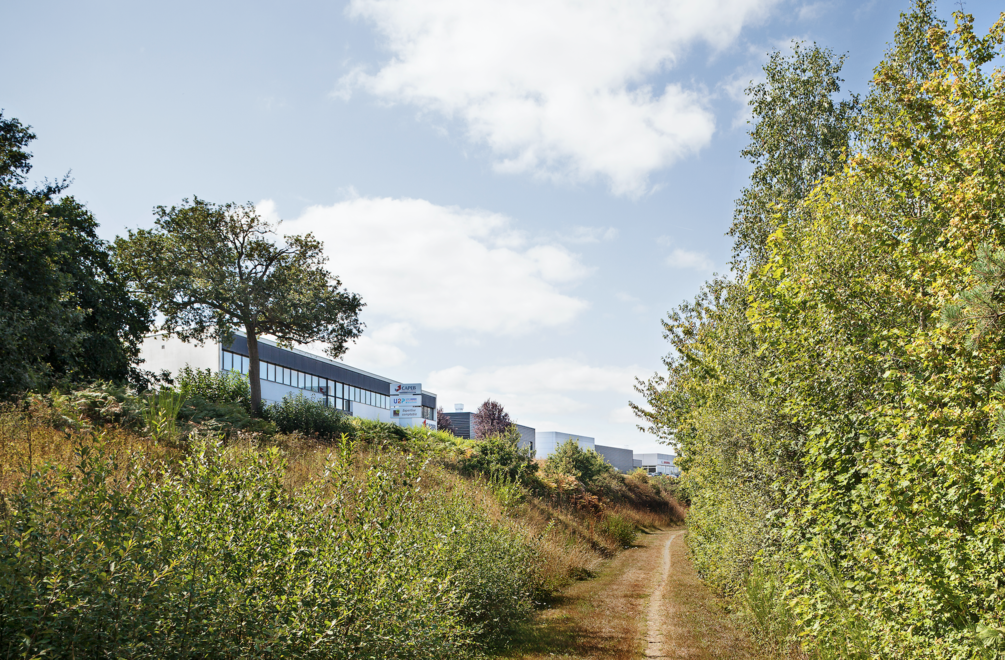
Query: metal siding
{"type": "Point", "coordinates": [621, 459]}
{"type": "Point", "coordinates": [461, 423]}
{"type": "Point", "coordinates": [429, 400]}
{"type": "Point", "coordinates": [291, 360]}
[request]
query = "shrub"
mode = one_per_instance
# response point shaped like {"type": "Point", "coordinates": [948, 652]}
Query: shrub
{"type": "Point", "coordinates": [500, 455]}
{"type": "Point", "coordinates": [619, 529]}
{"type": "Point", "coordinates": [299, 414]}
{"type": "Point", "coordinates": [585, 465]}
{"type": "Point", "coordinates": [215, 387]}
{"type": "Point", "coordinates": [217, 558]}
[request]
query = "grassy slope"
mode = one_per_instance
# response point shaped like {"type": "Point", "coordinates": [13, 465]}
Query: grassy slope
{"type": "Point", "coordinates": [562, 534]}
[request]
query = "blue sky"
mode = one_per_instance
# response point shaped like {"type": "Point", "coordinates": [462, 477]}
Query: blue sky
{"type": "Point", "coordinates": [520, 190]}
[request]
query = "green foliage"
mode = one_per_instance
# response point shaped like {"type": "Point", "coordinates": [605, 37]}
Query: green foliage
{"type": "Point", "coordinates": [799, 136]}
{"type": "Point", "coordinates": [300, 414]}
{"type": "Point", "coordinates": [161, 414]}
{"type": "Point", "coordinates": [618, 528]}
{"type": "Point", "coordinates": [838, 407]}
{"type": "Point", "coordinates": [585, 465]}
{"type": "Point", "coordinates": [500, 455]}
{"type": "Point", "coordinates": [218, 559]}
{"type": "Point", "coordinates": [212, 269]}
{"type": "Point", "coordinates": [66, 315]}
{"type": "Point", "coordinates": [219, 387]}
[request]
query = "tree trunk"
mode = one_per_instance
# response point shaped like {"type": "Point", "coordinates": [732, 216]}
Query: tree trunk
{"type": "Point", "coordinates": [254, 369]}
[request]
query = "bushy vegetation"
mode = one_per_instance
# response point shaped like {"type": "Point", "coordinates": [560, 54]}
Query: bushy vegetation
{"type": "Point", "coordinates": [585, 465]}
{"type": "Point", "coordinates": [268, 544]}
{"type": "Point", "coordinates": [838, 401]}
{"type": "Point", "coordinates": [215, 387]}
{"type": "Point", "coordinates": [500, 455]}
{"type": "Point", "coordinates": [217, 558]}
{"type": "Point", "coordinates": [300, 414]}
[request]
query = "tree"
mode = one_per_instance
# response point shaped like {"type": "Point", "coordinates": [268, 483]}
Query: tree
{"type": "Point", "coordinates": [500, 455]}
{"type": "Point", "coordinates": [65, 313]}
{"type": "Point", "coordinates": [442, 421]}
{"type": "Point", "coordinates": [211, 269]}
{"type": "Point", "coordinates": [491, 419]}
{"type": "Point", "coordinates": [583, 464]}
{"type": "Point", "coordinates": [799, 135]}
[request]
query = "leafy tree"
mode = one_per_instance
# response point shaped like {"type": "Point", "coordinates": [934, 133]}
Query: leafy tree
{"type": "Point", "coordinates": [491, 419]}
{"type": "Point", "coordinates": [500, 454]}
{"type": "Point", "coordinates": [211, 269]}
{"type": "Point", "coordinates": [65, 313]}
{"type": "Point", "coordinates": [799, 135]}
{"type": "Point", "coordinates": [442, 421]}
{"type": "Point", "coordinates": [583, 464]}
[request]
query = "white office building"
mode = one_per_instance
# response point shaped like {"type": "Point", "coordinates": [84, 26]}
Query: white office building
{"type": "Point", "coordinates": [285, 372]}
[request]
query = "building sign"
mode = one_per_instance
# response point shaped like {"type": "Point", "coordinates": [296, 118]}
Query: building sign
{"type": "Point", "coordinates": [406, 401]}
{"type": "Point", "coordinates": [406, 388]}
{"type": "Point", "coordinates": [667, 462]}
{"type": "Point", "coordinates": [411, 412]}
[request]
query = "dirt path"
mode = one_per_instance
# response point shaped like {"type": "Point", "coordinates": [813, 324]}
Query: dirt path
{"type": "Point", "coordinates": [647, 602]}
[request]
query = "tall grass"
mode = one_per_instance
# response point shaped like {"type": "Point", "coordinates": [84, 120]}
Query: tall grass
{"type": "Point", "coordinates": [271, 545]}
{"type": "Point", "coordinates": [217, 558]}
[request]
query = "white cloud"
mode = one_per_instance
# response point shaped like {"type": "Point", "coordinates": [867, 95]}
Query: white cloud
{"type": "Point", "coordinates": [623, 415]}
{"type": "Point", "coordinates": [689, 260]}
{"type": "Point", "coordinates": [637, 305]}
{"type": "Point", "coordinates": [547, 387]}
{"type": "Point", "coordinates": [380, 346]}
{"type": "Point", "coordinates": [445, 268]}
{"type": "Point", "coordinates": [814, 10]}
{"type": "Point", "coordinates": [590, 234]}
{"type": "Point", "coordinates": [563, 89]}
{"type": "Point", "coordinates": [686, 259]}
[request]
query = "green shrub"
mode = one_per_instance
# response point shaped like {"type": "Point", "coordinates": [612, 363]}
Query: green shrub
{"type": "Point", "coordinates": [583, 464]}
{"type": "Point", "coordinates": [216, 558]}
{"type": "Point", "coordinates": [217, 388]}
{"type": "Point", "coordinates": [500, 455]}
{"type": "Point", "coordinates": [99, 404]}
{"type": "Point", "coordinates": [618, 528]}
{"type": "Point", "coordinates": [300, 414]}
{"type": "Point", "coordinates": [161, 414]}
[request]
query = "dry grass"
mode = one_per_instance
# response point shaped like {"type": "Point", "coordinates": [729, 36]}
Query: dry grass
{"type": "Point", "coordinates": [567, 542]}
{"type": "Point", "coordinates": [698, 625]}
{"type": "Point", "coordinates": [601, 618]}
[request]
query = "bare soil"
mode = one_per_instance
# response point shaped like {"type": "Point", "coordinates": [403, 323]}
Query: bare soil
{"type": "Point", "coordinates": [647, 602]}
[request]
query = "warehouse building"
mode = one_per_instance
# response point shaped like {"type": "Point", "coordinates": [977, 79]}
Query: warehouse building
{"type": "Point", "coordinates": [549, 441]}
{"type": "Point", "coordinates": [285, 371]}
{"type": "Point", "coordinates": [620, 459]}
{"type": "Point", "coordinates": [462, 424]}
{"type": "Point", "coordinates": [658, 464]}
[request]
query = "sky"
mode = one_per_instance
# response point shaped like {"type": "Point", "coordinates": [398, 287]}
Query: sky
{"type": "Point", "coordinates": [520, 190]}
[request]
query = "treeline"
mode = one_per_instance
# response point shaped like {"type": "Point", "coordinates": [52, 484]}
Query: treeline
{"type": "Point", "coordinates": [838, 402]}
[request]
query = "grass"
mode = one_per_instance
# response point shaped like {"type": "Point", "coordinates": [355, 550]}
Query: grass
{"type": "Point", "coordinates": [559, 540]}
{"type": "Point", "coordinates": [699, 626]}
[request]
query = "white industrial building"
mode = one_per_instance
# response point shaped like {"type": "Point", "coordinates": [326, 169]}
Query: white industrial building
{"type": "Point", "coordinates": [285, 371]}
{"type": "Point", "coordinates": [548, 441]}
{"type": "Point", "coordinates": [658, 464]}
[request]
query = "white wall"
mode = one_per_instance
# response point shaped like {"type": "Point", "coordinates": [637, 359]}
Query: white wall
{"type": "Point", "coordinates": [548, 441]}
{"type": "Point", "coordinates": [159, 353]}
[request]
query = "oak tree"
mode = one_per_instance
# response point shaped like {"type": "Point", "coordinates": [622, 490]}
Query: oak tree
{"type": "Point", "coordinates": [211, 269]}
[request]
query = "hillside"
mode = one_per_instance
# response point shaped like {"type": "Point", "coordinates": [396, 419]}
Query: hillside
{"type": "Point", "coordinates": [127, 531]}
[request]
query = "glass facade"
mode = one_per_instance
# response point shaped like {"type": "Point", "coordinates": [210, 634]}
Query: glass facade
{"type": "Point", "coordinates": [338, 395]}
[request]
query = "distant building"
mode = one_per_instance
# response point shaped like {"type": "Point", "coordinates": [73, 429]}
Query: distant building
{"type": "Point", "coordinates": [549, 441]}
{"type": "Point", "coordinates": [620, 458]}
{"type": "Point", "coordinates": [462, 424]}
{"type": "Point", "coordinates": [285, 371]}
{"type": "Point", "coordinates": [658, 464]}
